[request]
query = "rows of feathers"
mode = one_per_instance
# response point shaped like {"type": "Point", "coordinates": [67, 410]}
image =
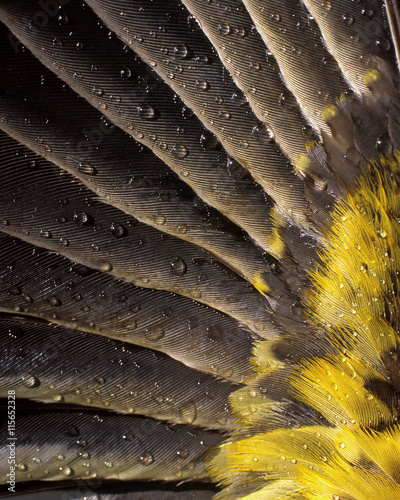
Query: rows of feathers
{"type": "Point", "coordinates": [199, 247]}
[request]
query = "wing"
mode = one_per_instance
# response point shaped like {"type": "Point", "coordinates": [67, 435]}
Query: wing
{"type": "Point", "coordinates": [199, 244]}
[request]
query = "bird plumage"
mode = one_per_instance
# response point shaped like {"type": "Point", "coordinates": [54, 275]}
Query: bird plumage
{"type": "Point", "coordinates": [199, 230]}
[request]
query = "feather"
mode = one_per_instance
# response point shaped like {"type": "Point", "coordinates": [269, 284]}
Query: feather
{"type": "Point", "coordinates": [213, 203]}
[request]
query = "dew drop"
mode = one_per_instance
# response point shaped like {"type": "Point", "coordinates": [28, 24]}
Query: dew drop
{"type": "Point", "coordinates": [160, 219]}
{"type": "Point", "coordinates": [202, 85]}
{"type": "Point", "coordinates": [188, 412]}
{"type": "Point", "coordinates": [83, 219]}
{"type": "Point", "coordinates": [68, 471]}
{"type": "Point", "coordinates": [154, 334]}
{"type": "Point", "coordinates": [347, 19]}
{"type": "Point", "coordinates": [225, 115]}
{"type": "Point", "coordinates": [181, 51]}
{"type": "Point", "coordinates": [105, 266]}
{"type": "Point", "coordinates": [224, 29]}
{"type": "Point", "coordinates": [54, 301]}
{"type": "Point", "coordinates": [30, 381]}
{"type": "Point", "coordinates": [263, 134]}
{"type": "Point", "coordinates": [125, 72]}
{"type": "Point", "coordinates": [64, 242]}
{"type": "Point", "coordinates": [146, 112]}
{"type": "Point", "coordinates": [86, 169]}
{"type": "Point", "coordinates": [178, 266]}
{"type": "Point", "coordinates": [180, 151]}
{"type": "Point", "coordinates": [44, 233]}
{"type": "Point", "coordinates": [118, 230]}
{"type": "Point", "coordinates": [146, 459]}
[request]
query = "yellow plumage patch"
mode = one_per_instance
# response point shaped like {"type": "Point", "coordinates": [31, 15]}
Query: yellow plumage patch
{"type": "Point", "coordinates": [350, 387]}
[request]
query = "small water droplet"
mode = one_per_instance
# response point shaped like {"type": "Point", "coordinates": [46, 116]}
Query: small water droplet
{"type": "Point", "coordinates": [202, 85]}
{"type": "Point", "coordinates": [54, 301]}
{"type": "Point", "coordinates": [83, 219]}
{"type": "Point", "coordinates": [178, 266]}
{"type": "Point", "coordinates": [181, 51]}
{"type": "Point", "coordinates": [72, 431]}
{"type": "Point", "coordinates": [105, 266]}
{"type": "Point", "coordinates": [180, 151]}
{"type": "Point", "coordinates": [146, 112]}
{"type": "Point", "coordinates": [125, 72]}
{"type": "Point", "coordinates": [68, 471]}
{"type": "Point", "coordinates": [154, 334]}
{"type": "Point", "coordinates": [146, 458]}
{"type": "Point", "coordinates": [86, 169]}
{"type": "Point", "coordinates": [44, 233]}
{"type": "Point", "coordinates": [64, 242]}
{"type": "Point", "coordinates": [224, 29]}
{"type": "Point", "coordinates": [347, 19]}
{"type": "Point", "coordinates": [118, 230]}
{"type": "Point", "coordinates": [188, 412]}
{"type": "Point", "coordinates": [225, 115]}
{"type": "Point", "coordinates": [263, 134]}
{"type": "Point", "coordinates": [30, 381]}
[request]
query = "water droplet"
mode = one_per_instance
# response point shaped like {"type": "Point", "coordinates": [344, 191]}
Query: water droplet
{"type": "Point", "coordinates": [86, 169]}
{"type": "Point", "coordinates": [97, 91]}
{"type": "Point", "coordinates": [54, 301]}
{"type": "Point", "coordinates": [72, 431]}
{"type": "Point", "coordinates": [105, 266]}
{"type": "Point", "coordinates": [125, 72]}
{"type": "Point", "coordinates": [275, 17]}
{"type": "Point", "coordinates": [263, 134]}
{"type": "Point", "coordinates": [45, 234]}
{"type": "Point", "coordinates": [118, 230]}
{"type": "Point", "coordinates": [383, 44]}
{"type": "Point", "coordinates": [146, 458]}
{"type": "Point", "coordinates": [22, 467]}
{"type": "Point", "coordinates": [108, 464]}
{"type": "Point", "coordinates": [180, 151]}
{"type": "Point", "coordinates": [83, 219]}
{"type": "Point", "coordinates": [181, 51]}
{"type": "Point", "coordinates": [209, 142]}
{"type": "Point", "coordinates": [30, 381]}
{"type": "Point", "coordinates": [154, 334]}
{"type": "Point", "coordinates": [146, 112]}
{"type": "Point", "coordinates": [188, 412]}
{"type": "Point", "coordinates": [160, 219]}
{"type": "Point", "coordinates": [202, 85]}
{"type": "Point", "coordinates": [183, 453]}
{"type": "Point", "coordinates": [64, 242]}
{"type": "Point", "coordinates": [32, 165]}
{"type": "Point", "coordinates": [347, 19]}
{"type": "Point", "coordinates": [68, 471]}
{"type": "Point", "coordinates": [224, 29]}
{"type": "Point", "coordinates": [178, 266]}
{"type": "Point", "coordinates": [225, 115]}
